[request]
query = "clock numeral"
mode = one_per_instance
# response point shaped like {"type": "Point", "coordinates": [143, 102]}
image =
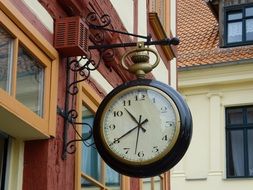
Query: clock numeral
{"type": "Point", "coordinates": [117, 113]}
{"type": "Point", "coordinates": [155, 149]}
{"type": "Point", "coordinates": [127, 102]}
{"type": "Point", "coordinates": [169, 123]}
{"type": "Point", "coordinates": [140, 97]}
{"type": "Point", "coordinates": [164, 109]}
{"type": "Point", "coordinates": [116, 141]}
{"type": "Point", "coordinates": [154, 100]}
{"type": "Point", "coordinates": [111, 127]}
{"type": "Point", "coordinates": [126, 150]}
{"type": "Point", "coordinates": [141, 154]}
{"type": "Point", "coordinates": [165, 138]}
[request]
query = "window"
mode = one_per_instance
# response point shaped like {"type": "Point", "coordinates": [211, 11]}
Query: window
{"type": "Point", "coordinates": [239, 25]}
{"type": "Point", "coordinates": [95, 173]}
{"type": "Point", "coordinates": [28, 78]}
{"type": "Point", "coordinates": [30, 73]}
{"type": "Point", "coordinates": [91, 171]}
{"type": "Point", "coordinates": [3, 158]}
{"type": "Point", "coordinates": [239, 141]}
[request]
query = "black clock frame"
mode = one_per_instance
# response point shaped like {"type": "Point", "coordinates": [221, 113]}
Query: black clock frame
{"type": "Point", "coordinates": [166, 162]}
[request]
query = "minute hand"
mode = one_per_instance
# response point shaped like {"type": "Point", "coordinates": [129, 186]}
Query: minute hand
{"type": "Point", "coordinates": [146, 120]}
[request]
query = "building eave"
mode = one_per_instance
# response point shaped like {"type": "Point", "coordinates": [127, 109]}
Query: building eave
{"type": "Point", "coordinates": [216, 74]}
{"type": "Point", "coordinates": [214, 7]}
{"type": "Point", "coordinates": [169, 51]}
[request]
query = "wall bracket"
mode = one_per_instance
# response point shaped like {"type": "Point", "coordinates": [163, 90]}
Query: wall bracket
{"type": "Point", "coordinates": [84, 64]}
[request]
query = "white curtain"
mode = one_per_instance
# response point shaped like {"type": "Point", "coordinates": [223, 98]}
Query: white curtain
{"type": "Point", "coordinates": [250, 151]}
{"type": "Point", "coordinates": [237, 152]}
{"type": "Point", "coordinates": [249, 29]}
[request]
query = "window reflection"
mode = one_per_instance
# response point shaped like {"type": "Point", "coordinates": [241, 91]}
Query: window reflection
{"type": "Point", "coordinates": [112, 178]}
{"type": "Point", "coordinates": [92, 164]}
{"type": "Point", "coordinates": [90, 158]}
{"type": "Point", "coordinates": [234, 32]}
{"type": "Point", "coordinates": [30, 79]}
{"type": "Point", "coordinates": [5, 59]}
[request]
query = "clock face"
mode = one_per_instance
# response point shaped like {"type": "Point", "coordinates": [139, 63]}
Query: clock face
{"type": "Point", "coordinates": [142, 128]}
{"type": "Point", "coordinates": [140, 125]}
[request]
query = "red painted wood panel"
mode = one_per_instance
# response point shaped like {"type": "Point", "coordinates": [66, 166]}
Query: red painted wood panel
{"type": "Point", "coordinates": [44, 168]}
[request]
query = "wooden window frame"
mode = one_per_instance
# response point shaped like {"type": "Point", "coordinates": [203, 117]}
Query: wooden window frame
{"type": "Point", "coordinates": [241, 9]}
{"type": "Point", "coordinates": [89, 98]}
{"type": "Point", "coordinates": [22, 122]}
{"type": "Point", "coordinates": [244, 127]}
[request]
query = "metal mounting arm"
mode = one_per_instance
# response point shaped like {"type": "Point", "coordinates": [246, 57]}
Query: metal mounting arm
{"type": "Point", "coordinates": [84, 65]}
{"type": "Point", "coordinates": [167, 41]}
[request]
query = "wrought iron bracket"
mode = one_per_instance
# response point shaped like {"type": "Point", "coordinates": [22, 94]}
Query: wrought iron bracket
{"type": "Point", "coordinates": [84, 65]}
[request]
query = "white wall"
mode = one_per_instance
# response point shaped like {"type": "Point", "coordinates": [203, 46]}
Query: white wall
{"type": "Point", "coordinates": [173, 9]}
{"type": "Point", "coordinates": [126, 13]}
{"type": "Point", "coordinates": [208, 92]}
{"type": "Point", "coordinates": [41, 13]}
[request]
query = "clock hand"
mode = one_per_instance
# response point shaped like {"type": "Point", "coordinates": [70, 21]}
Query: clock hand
{"type": "Point", "coordinates": [138, 133]}
{"type": "Point", "coordinates": [131, 115]}
{"type": "Point", "coordinates": [139, 124]}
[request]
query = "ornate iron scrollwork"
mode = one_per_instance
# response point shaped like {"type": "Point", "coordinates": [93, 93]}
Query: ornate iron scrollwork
{"type": "Point", "coordinates": [83, 65]}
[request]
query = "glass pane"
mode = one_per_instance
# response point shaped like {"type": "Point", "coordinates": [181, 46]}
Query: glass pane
{"type": "Point", "coordinates": [249, 11]}
{"type": "Point", "coordinates": [88, 185]}
{"type": "Point", "coordinates": [112, 178]}
{"type": "Point", "coordinates": [91, 161]}
{"type": "Point", "coordinates": [5, 59]}
{"type": "Point", "coordinates": [250, 151]}
{"type": "Point", "coordinates": [234, 16]}
{"type": "Point", "coordinates": [30, 77]}
{"type": "Point", "coordinates": [235, 116]}
{"type": "Point", "coordinates": [234, 32]}
{"type": "Point", "coordinates": [249, 29]}
{"type": "Point", "coordinates": [250, 115]}
{"type": "Point", "coordinates": [235, 157]}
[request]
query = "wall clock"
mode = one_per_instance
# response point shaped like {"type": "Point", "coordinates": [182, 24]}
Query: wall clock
{"type": "Point", "coordinates": [142, 128]}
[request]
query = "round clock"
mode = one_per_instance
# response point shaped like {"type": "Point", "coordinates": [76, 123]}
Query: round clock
{"type": "Point", "coordinates": [142, 128]}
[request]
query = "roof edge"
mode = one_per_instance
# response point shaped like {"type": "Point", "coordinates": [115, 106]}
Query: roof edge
{"type": "Point", "coordinates": [229, 63]}
{"type": "Point", "coordinates": [214, 7]}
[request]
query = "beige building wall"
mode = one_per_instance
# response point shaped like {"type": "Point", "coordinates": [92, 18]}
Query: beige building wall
{"type": "Point", "coordinates": [208, 91]}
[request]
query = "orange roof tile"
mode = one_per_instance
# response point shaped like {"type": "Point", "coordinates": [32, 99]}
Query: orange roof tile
{"type": "Point", "coordinates": [198, 32]}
